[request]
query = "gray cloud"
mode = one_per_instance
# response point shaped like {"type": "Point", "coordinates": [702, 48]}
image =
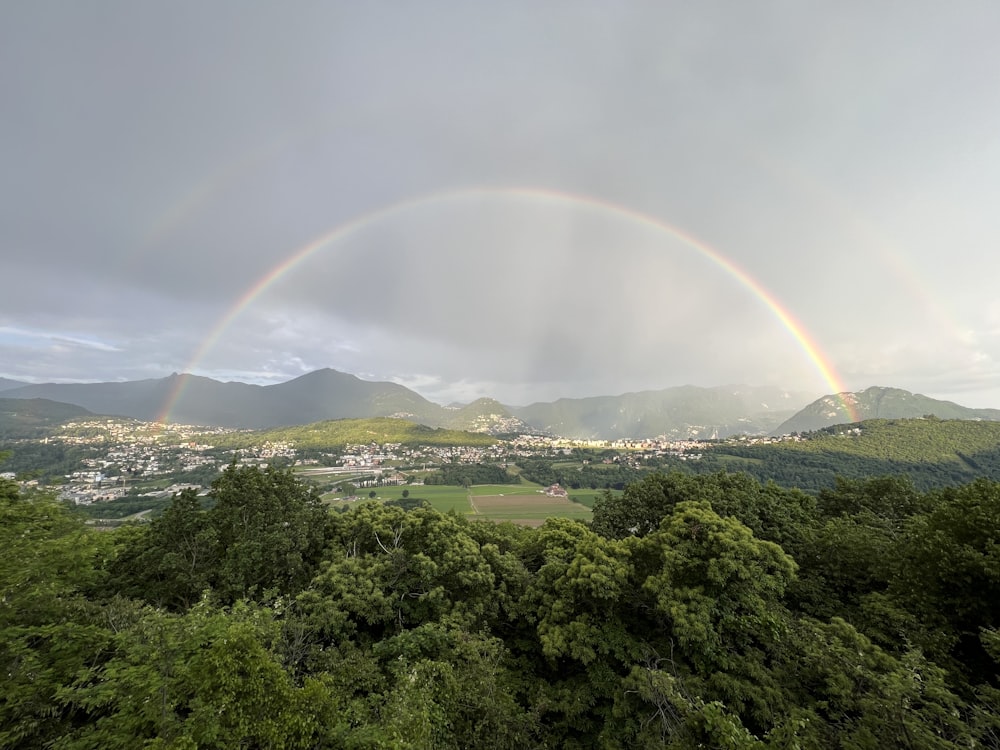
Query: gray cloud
{"type": "Point", "coordinates": [160, 161]}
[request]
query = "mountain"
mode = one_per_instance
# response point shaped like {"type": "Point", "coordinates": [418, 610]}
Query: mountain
{"type": "Point", "coordinates": [6, 384]}
{"type": "Point", "coordinates": [137, 398]}
{"type": "Point", "coordinates": [877, 403]}
{"type": "Point", "coordinates": [328, 394]}
{"type": "Point", "coordinates": [681, 412]}
{"type": "Point", "coordinates": [34, 417]}
{"type": "Point", "coordinates": [191, 399]}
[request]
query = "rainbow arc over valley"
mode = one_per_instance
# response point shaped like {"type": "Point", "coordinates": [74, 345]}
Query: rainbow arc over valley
{"type": "Point", "coordinates": [535, 195]}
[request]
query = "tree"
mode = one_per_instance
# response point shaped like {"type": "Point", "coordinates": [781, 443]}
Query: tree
{"type": "Point", "coordinates": [207, 678]}
{"type": "Point", "coordinates": [392, 570]}
{"type": "Point", "coordinates": [717, 590]}
{"type": "Point", "coordinates": [771, 512]}
{"type": "Point", "coordinates": [850, 693]}
{"type": "Point", "coordinates": [949, 576]}
{"type": "Point", "coordinates": [271, 528]}
{"type": "Point", "coordinates": [172, 561]}
{"type": "Point", "coordinates": [50, 633]}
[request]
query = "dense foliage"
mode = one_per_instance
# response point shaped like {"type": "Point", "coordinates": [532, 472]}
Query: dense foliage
{"type": "Point", "coordinates": [466, 475]}
{"type": "Point", "coordinates": [601, 476]}
{"type": "Point", "coordinates": [932, 452]}
{"type": "Point", "coordinates": [695, 611]}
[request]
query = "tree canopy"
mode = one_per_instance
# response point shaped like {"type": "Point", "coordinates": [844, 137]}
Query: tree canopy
{"type": "Point", "coordinates": [707, 611]}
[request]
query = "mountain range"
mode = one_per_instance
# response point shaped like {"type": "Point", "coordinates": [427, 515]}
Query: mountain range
{"type": "Point", "coordinates": [679, 412]}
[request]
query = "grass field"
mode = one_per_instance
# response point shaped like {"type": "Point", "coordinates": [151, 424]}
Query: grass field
{"type": "Point", "coordinates": [520, 503]}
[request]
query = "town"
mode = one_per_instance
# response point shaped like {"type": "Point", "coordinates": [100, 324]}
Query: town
{"type": "Point", "coordinates": [113, 459]}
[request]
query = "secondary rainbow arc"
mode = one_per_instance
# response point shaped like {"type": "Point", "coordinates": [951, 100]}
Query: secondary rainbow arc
{"type": "Point", "coordinates": [798, 332]}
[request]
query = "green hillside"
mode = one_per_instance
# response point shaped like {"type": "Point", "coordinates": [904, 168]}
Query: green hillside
{"type": "Point", "coordinates": [932, 452]}
{"type": "Point", "coordinates": [34, 417]}
{"type": "Point", "coordinates": [340, 432]}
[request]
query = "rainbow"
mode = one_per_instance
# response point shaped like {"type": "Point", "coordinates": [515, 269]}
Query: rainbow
{"type": "Point", "coordinates": [345, 230]}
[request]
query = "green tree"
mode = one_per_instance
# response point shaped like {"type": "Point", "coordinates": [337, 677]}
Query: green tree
{"type": "Point", "coordinates": [850, 693]}
{"type": "Point", "coordinates": [949, 577]}
{"type": "Point", "coordinates": [50, 634]}
{"type": "Point", "coordinates": [771, 512]}
{"type": "Point", "coordinates": [206, 678]}
{"type": "Point", "coordinates": [174, 560]}
{"type": "Point", "coordinates": [271, 528]}
{"type": "Point", "coordinates": [391, 570]}
{"type": "Point", "coordinates": [717, 590]}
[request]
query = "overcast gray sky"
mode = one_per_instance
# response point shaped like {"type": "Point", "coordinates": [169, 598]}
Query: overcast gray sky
{"type": "Point", "coordinates": [504, 176]}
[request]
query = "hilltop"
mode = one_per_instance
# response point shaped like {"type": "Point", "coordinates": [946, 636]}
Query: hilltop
{"type": "Point", "coordinates": [34, 417]}
{"type": "Point", "coordinates": [877, 403]}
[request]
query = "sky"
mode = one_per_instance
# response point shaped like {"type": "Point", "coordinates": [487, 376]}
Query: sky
{"type": "Point", "coordinates": [521, 200]}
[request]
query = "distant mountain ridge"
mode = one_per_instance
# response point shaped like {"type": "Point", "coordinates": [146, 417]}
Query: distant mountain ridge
{"type": "Point", "coordinates": [679, 412]}
{"type": "Point", "coordinates": [192, 399]}
{"type": "Point", "coordinates": [682, 412]}
{"type": "Point", "coordinates": [685, 411]}
{"type": "Point", "coordinates": [877, 402]}
{"type": "Point", "coordinates": [6, 384]}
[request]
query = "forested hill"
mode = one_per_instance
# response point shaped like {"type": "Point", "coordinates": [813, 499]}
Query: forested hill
{"type": "Point", "coordinates": [931, 452]}
{"type": "Point", "coordinates": [340, 432]}
{"type": "Point", "coordinates": [34, 417]}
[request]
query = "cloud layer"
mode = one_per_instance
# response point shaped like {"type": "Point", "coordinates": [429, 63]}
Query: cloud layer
{"type": "Point", "coordinates": [161, 163]}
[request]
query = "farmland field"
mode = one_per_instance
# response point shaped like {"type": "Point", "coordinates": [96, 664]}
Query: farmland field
{"type": "Point", "coordinates": [523, 503]}
{"type": "Point", "coordinates": [527, 509]}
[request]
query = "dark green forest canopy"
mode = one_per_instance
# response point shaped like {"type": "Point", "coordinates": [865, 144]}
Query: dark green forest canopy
{"type": "Point", "coordinates": [694, 611]}
{"type": "Point", "coordinates": [466, 475]}
{"type": "Point", "coordinates": [932, 452]}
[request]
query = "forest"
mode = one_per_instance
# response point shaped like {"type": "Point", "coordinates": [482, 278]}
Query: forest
{"type": "Point", "coordinates": [693, 611]}
{"type": "Point", "coordinates": [932, 452]}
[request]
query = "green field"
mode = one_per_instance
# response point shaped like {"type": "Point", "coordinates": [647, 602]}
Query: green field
{"type": "Point", "coordinates": [526, 509]}
{"type": "Point", "coordinates": [522, 503]}
{"type": "Point", "coordinates": [524, 488]}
